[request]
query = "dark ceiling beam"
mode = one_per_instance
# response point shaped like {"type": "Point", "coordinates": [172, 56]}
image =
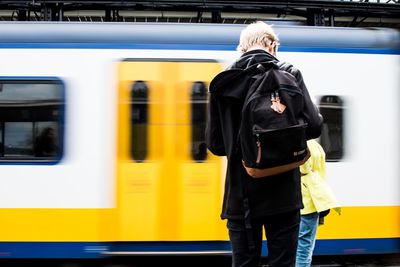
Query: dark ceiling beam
{"type": "Point", "coordinates": [389, 9]}
{"type": "Point", "coordinates": [315, 11]}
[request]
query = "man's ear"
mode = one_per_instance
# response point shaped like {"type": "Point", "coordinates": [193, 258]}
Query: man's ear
{"type": "Point", "coordinates": [272, 48]}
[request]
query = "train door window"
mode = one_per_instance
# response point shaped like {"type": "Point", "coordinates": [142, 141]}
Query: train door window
{"type": "Point", "coordinates": [139, 120]}
{"type": "Point", "coordinates": [31, 119]}
{"type": "Point", "coordinates": [331, 108]}
{"type": "Point", "coordinates": [199, 106]}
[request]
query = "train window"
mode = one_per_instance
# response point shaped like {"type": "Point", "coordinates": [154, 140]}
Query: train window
{"type": "Point", "coordinates": [31, 120]}
{"type": "Point", "coordinates": [1, 138]}
{"type": "Point", "coordinates": [199, 106]}
{"type": "Point", "coordinates": [139, 120]}
{"type": "Point", "coordinates": [331, 108]}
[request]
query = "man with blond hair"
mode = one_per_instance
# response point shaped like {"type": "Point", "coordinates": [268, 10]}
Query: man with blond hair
{"type": "Point", "coordinates": [249, 205]}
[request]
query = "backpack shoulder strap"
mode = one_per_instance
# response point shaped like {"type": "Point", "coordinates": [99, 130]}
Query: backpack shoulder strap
{"type": "Point", "coordinates": [288, 67]}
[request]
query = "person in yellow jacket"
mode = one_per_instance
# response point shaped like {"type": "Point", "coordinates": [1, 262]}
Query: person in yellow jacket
{"type": "Point", "coordinates": [317, 198]}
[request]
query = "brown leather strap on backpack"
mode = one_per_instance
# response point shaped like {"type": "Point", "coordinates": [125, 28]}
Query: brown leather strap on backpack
{"type": "Point", "coordinates": [259, 173]}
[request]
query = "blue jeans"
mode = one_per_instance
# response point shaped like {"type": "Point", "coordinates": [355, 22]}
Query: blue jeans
{"type": "Point", "coordinates": [306, 243]}
{"type": "Point", "coordinates": [281, 231]}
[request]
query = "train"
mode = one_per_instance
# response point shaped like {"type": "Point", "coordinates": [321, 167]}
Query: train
{"type": "Point", "coordinates": [102, 148]}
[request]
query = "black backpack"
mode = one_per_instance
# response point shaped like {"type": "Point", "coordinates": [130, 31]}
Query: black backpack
{"type": "Point", "coordinates": [272, 133]}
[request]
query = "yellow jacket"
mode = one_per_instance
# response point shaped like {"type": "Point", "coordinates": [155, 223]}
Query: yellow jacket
{"type": "Point", "coordinates": [317, 195]}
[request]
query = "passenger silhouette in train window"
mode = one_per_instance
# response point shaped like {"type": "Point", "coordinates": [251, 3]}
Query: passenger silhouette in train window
{"type": "Point", "coordinates": [332, 109]}
{"type": "Point", "coordinates": [46, 143]}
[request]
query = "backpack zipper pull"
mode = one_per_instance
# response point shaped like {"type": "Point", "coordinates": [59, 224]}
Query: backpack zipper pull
{"type": "Point", "coordinates": [258, 149]}
{"type": "Point", "coordinates": [273, 101]}
{"type": "Point", "coordinates": [279, 107]}
{"type": "Point", "coordinates": [272, 97]}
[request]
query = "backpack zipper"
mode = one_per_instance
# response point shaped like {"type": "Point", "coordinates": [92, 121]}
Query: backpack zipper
{"type": "Point", "coordinates": [264, 94]}
{"type": "Point", "coordinates": [258, 149]}
{"type": "Point", "coordinates": [261, 131]}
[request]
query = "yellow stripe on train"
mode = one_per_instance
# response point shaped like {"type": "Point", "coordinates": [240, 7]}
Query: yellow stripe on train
{"type": "Point", "coordinates": [101, 225]}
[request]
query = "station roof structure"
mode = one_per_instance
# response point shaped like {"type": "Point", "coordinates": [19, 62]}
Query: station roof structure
{"type": "Point", "coordinates": [345, 13]}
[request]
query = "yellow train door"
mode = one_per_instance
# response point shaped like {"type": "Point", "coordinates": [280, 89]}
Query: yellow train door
{"type": "Point", "coordinates": [169, 188]}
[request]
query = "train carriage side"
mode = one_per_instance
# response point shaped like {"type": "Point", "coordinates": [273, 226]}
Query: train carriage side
{"type": "Point", "coordinates": [130, 173]}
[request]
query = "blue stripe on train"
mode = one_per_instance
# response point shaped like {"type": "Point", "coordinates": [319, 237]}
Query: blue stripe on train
{"type": "Point", "coordinates": [353, 246]}
{"type": "Point", "coordinates": [97, 249]}
{"type": "Point", "coordinates": [217, 47]}
{"type": "Point", "coordinates": [52, 249]}
{"type": "Point", "coordinates": [357, 246]}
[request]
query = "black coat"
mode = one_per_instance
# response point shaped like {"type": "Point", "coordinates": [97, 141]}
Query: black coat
{"type": "Point", "coordinates": [267, 196]}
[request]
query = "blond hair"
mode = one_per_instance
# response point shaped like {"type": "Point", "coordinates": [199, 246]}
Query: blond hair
{"type": "Point", "coordinates": [257, 34]}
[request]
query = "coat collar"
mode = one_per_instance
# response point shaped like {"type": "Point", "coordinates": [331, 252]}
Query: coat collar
{"type": "Point", "coordinates": [233, 82]}
{"type": "Point", "coordinates": [252, 57]}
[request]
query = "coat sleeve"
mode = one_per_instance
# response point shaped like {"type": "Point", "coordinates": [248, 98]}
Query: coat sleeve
{"type": "Point", "coordinates": [214, 137]}
{"type": "Point", "coordinates": [311, 112]}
